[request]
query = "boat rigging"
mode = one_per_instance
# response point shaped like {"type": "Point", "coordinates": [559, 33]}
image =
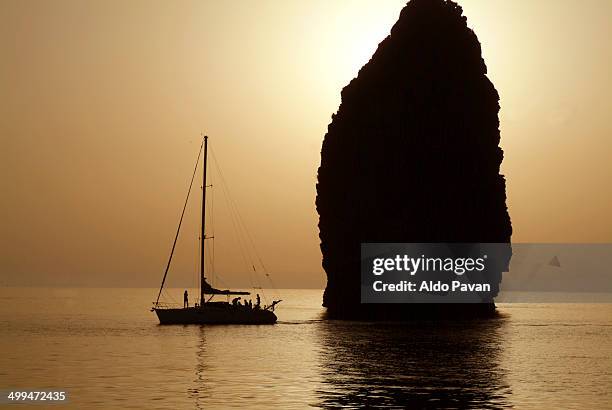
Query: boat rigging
{"type": "Point", "coordinates": [208, 311]}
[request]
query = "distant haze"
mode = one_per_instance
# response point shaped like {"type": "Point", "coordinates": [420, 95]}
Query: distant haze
{"type": "Point", "coordinates": [102, 104]}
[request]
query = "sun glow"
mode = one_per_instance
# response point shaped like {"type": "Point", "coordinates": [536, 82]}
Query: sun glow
{"type": "Point", "coordinates": [100, 114]}
{"type": "Point", "coordinates": [356, 33]}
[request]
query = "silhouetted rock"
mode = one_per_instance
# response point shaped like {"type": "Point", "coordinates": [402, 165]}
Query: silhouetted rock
{"type": "Point", "coordinates": [412, 155]}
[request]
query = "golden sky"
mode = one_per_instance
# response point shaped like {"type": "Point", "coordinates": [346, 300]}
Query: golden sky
{"type": "Point", "coordinates": [103, 102]}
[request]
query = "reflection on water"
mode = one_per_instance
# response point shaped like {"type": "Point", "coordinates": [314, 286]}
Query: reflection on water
{"type": "Point", "coordinates": [198, 391]}
{"type": "Point", "coordinates": [421, 364]}
{"type": "Point", "coordinates": [107, 350]}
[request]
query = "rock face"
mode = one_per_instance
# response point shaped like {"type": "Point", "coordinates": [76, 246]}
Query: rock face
{"type": "Point", "coordinates": [412, 155]}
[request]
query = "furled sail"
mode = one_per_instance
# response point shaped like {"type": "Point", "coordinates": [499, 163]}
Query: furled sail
{"type": "Point", "coordinates": [209, 290]}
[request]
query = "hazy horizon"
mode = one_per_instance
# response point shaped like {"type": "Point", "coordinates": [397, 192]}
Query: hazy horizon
{"type": "Point", "coordinates": [104, 102]}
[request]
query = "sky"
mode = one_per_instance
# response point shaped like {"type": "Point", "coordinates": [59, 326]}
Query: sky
{"type": "Point", "coordinates": [103, 102]}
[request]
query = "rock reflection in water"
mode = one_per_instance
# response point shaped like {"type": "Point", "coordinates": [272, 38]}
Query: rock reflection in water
{"type": "Point", "coordinates": [420, 364]}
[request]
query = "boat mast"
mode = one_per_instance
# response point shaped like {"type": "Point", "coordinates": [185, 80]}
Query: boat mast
{"type": "Point", "coordinates": [203, 235]}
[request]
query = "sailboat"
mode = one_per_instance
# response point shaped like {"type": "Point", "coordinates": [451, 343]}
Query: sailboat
{"type": "Point", "coordinates": [208, 311]}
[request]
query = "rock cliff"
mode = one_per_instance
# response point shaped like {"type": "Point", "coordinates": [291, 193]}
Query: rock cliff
{"type": "Point", "coordinates": [412, 155]}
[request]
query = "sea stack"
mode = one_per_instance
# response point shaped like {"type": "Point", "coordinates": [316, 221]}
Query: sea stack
{"type": "Point", "coordinates": [412, 155]}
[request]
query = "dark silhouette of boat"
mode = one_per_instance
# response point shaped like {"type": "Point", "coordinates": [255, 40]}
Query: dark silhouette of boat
{"type": "Point", "coordinates": [207, 311]}
{"type": "Point", "coordinates": [215, 313]}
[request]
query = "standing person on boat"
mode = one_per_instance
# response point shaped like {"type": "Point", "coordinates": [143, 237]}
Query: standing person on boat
{"type": "Point", "coordinates": [185, 299]}
{"type": "Point", "coordinates": [258, 304]}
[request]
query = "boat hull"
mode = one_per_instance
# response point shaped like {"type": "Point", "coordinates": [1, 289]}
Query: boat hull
{"type": "Point", "coordinates": [218, 315]}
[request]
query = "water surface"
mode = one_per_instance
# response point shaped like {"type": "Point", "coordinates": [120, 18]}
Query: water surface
{"type": "Point", "coordinates": [106, 349]}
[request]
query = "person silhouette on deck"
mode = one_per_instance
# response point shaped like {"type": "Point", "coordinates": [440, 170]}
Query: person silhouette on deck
{"type": "Point", "coordinates": [185, 299]}
{"type": "Point", "coordinates": [258, 304]}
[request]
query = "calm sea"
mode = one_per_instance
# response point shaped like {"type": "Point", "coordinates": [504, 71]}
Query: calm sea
{"type": "Point", "coordinates": [106, 349]}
